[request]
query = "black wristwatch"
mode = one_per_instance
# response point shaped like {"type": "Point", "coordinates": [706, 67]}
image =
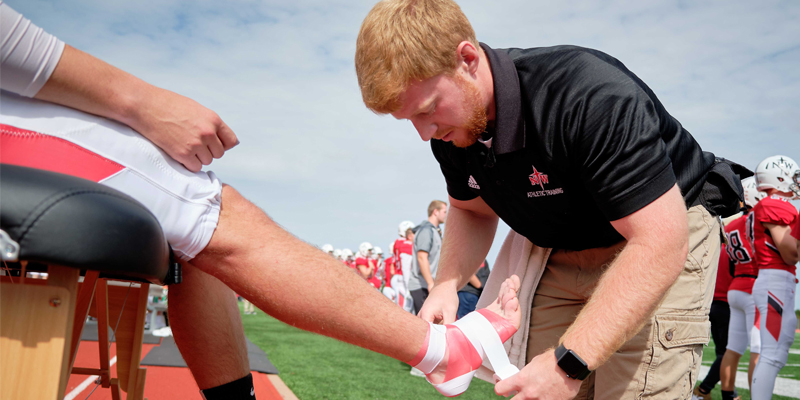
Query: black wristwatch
{"type": "Point", "coordinates": [571, 364]}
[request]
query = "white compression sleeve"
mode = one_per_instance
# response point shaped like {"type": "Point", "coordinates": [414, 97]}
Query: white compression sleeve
{"type": "Point", "coordinates": [28, 54]}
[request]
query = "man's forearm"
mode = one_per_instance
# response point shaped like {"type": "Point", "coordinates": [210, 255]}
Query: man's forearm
{"type": "Point", "coordinates": [89, 84]}
{"type": "Point", "coordinates": [784, 241]}
{"type": "Point", "coordinates": [625, 298]}
{"type": "Point", "coordinates": [466, 244]}
{"type": "Point", "coordinates": [425, 268]}
{"type": "Point", "coordinates": [474, 281]}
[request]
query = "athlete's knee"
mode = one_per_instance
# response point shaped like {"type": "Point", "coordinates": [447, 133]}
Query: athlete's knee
{"type": "Point", "coordinates": [774, 361]}
{"type": "Point", "coordinates": [242, 228]}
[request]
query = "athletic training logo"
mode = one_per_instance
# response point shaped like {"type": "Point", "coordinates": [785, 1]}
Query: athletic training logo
{"type": "Point", "coordinates": [473, 183]}
{"type": "Point", "coordinates": [538, 178]}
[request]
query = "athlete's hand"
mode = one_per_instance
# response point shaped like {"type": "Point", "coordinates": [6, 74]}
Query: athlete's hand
{"type": "Point", "coordinates": [542, 378]}
{"type": "Point", "coordinates": [188, 132]}
{"type": "Point", "coordinates": [441, 306]}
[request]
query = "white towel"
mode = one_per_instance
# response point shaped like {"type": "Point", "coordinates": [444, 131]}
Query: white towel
{"type": "Point", "coordinates": [520, 257]}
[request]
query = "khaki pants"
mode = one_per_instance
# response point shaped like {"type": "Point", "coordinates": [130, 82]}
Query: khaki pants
{"type": "Point", "coordinates": [662, 361]}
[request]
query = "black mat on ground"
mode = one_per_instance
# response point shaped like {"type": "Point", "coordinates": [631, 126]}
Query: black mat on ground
{"type": "Point", "coordinates": [167, 355]}
{"type": "Point", "coordinates": [90, 333]}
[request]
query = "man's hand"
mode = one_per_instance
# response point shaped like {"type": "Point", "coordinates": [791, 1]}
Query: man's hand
{"type": "Point", "coordinates": [441, 306]}
{"type": "Point", "coordinates": [188, 132]}
{"type": "Point", "coordinates": [542, 378]}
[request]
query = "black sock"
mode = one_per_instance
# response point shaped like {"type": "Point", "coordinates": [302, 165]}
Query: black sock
{"type": "Point", "coordinates": [240, 389]}
{"type": "Point", "coordinates": [726, 395]}
{"type": "Point", "coordinates": [703, 390]}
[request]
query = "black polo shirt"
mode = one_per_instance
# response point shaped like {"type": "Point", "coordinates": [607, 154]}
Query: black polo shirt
{"type": "Point", "coordinates": [578, 141]}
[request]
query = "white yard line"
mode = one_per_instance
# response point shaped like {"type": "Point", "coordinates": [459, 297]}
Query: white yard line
{"type": "Point", "coordinates": [783, 386]}
{"type": "Point", "coordinates": [90, 380]}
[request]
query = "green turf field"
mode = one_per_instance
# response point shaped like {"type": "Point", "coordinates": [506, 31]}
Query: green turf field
{"type": "Point", "coordinates": [791, 370]}
{"type": "Point", "coordinates": [317, 367]}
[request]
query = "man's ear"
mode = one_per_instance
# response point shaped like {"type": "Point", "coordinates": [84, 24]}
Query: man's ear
{"type": "Point", "coordinates": [468, 57]}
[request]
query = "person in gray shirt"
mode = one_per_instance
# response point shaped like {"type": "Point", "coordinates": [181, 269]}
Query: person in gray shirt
{"type": "Point", "coordinates": [427, 245]}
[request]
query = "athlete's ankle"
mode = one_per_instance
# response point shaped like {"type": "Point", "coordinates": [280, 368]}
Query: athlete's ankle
{"type": "Point", "coordinates": [728, 395]}
{"type": "Point", "coordinates": [240, 389]}
{"type": "Point", "coordinates": [433, 350]}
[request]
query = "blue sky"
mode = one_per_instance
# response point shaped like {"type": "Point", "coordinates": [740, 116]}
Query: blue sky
{"type": "Point", "coordinates": [281, 75]}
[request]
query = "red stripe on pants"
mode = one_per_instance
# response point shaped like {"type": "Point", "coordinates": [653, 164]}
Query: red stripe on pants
{"type": "Point", "coordinates": [36, 150]}
{"type": "Point", "coordinates": [774, 317]}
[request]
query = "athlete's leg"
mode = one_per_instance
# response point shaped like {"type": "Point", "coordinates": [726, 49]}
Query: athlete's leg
{"type": "Point", "coordinates": [248, 252]}
{"type": "Point", "coordinates": [207, 328]}
{"type": "Point", "coordinates": [721, 316]}
{"type": "Point", "coordinates": [774, 296]}
{"type": "Point", "coordinates": [741, 320]}
{"type": "Point", "coordinates": [751, 368]}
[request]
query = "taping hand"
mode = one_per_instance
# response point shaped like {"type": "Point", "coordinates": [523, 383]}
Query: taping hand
{"type": "Point", "coordinates": [441, 306]}
{"type": "Point", "coordinates": [542, 378]}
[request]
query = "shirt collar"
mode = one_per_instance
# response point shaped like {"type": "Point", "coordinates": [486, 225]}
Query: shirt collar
{"type": "Point", "coordinates": [509, 129]}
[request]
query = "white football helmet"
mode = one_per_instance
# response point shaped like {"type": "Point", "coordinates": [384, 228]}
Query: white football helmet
{"type": "Point", "coordinates": [751, 194]}
{"type": "Point", "coordinates": [364, 249]}
{"type": "Point", "coordinates": [327, 248]}
{"type": "Point", "coordinates": [347, 253]}
{"type": "Point", "coordinates": [403, 227]}
{"type": "Point", "coordinates": [337, 253]}
{"type": "Point", "coordinates": [391, 248]}
{"type": "Point", "coordinates": [778, 172]}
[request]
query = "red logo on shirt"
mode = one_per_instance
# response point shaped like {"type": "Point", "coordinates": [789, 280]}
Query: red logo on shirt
{"type": "Point", "coordinates": [538, 178]}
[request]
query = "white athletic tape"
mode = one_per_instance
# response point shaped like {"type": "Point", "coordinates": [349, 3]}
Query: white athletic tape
{"type": "Point", "coordinates": [434, 355]}
{"type": "Point", "coordinates": [484, 337]}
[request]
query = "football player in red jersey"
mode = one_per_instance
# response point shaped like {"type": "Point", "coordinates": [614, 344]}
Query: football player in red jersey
{"type": "Point", "coordinates": [347, 258]}
{"type": "Point", "coordinates": [740, 294]}
{"type": "Point", "coordinates": [402, 250]}
{"type": "Point", "coordinates": [379, 276]}
{"type": "Point", "coordinates": [403, 247]}
{"type": "Point", "coordinates": [796, 227]}
{"type": "Point", "coordinates": [776, 256]}
{"type": "Point", "coordinates": [365, 265]}
{"type": "Point", "coordinates": [388, 271]}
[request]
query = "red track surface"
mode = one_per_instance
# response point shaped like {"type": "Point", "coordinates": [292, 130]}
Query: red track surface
{"type": "Point", "coordinates": [162, 383]}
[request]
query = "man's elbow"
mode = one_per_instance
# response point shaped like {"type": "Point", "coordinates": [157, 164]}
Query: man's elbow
{"type": "Point", "coordinates": [791, 258]}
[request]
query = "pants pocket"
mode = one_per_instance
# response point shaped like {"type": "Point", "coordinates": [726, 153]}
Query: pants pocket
{"type": "Point", "coordinates": [677, 353]}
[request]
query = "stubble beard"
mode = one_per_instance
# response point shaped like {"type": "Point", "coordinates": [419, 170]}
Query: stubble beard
{"type": "Point", "coordinates": [477, 121]}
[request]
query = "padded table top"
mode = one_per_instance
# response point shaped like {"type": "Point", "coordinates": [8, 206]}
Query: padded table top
{"type": "Point", "coordinates": [64, 220]}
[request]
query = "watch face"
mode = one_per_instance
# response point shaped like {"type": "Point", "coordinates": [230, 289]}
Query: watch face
{"type": "Point", "coordinates": [573, 365]}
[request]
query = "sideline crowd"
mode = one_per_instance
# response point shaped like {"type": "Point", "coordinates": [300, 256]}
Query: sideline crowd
{"type": "Point", "coordinates": [406, 273]}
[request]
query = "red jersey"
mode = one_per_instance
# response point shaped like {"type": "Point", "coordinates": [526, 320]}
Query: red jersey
{"type": "Point", "coordinates": [388, 265]}
{"type": "Point", "coordinates": [362, 261]}
{"type": "Point", "coordinates": [774, 210]}
{"type": "Point", "coordinates": [740, 251]}
{"type": "Point", "coordinates": [402, 246]}
{"type": "Point", "coordinates": [796, 229]}
{"type": "Point", "coordinates": [724, 277]}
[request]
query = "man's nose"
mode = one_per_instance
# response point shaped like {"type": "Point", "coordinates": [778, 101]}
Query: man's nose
{"type": "Point", "coordinates": [426, 130]}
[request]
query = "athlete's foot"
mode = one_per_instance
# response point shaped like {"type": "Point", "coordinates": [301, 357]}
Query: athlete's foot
{"type": "Point", "coordinates": [506, 306]}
